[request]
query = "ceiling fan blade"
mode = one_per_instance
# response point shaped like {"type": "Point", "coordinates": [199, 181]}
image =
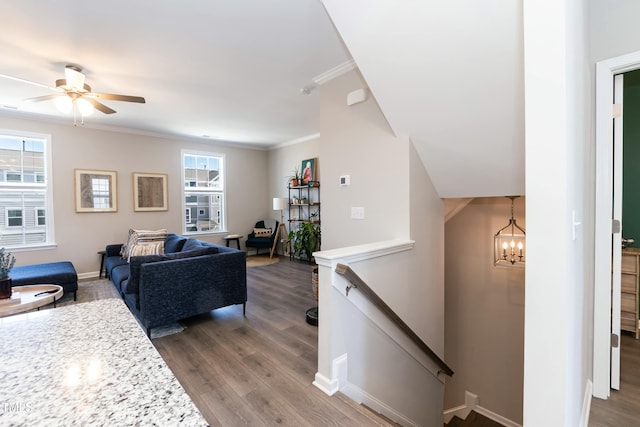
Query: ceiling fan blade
{"type": "Point", "coordinates": [114, 97]}
{"type": "Point", "coordinates": [43, 98]}
{"type": "Point", "coordinates": [18, 79]}
{"type": "Point", "coordinates": [99, 106]}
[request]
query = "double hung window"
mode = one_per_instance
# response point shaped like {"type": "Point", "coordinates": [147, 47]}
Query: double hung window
{"type": "Point", "coordinates": [26, 213]}
{"type": "Point", "coordinates": [203, 189]}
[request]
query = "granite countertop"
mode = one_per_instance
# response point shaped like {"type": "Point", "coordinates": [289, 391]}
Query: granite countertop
{"type": "Point", "coordinates": [86, 364]}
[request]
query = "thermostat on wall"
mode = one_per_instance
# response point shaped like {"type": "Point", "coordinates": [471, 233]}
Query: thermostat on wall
{"type": "Point", "coordinates": [345, 180]}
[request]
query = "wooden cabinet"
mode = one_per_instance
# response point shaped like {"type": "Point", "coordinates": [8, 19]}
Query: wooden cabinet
{"type": "Point", "coordinates": [629, 290]}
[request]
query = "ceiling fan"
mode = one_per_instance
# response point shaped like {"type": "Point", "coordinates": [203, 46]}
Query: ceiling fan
{"type": "Point", "coordinates": [73, 94]}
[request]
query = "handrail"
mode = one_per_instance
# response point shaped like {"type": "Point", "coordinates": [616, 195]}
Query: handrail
{"type": "Point", "coordinates": [357, 282]}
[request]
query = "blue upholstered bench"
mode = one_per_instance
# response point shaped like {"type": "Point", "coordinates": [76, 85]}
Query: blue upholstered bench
{"type": "Point", "coordinates": [55, 273]}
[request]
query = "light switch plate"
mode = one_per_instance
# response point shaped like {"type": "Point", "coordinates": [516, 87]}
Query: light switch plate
{"type": "Point", "coordinates": [357, 213]}
{"type": "Point", "coordinates": [345, 180]}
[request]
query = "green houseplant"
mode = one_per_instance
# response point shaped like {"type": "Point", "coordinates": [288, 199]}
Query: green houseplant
{"type": "Point", "coordinates": [295, 177]}
{"type": "Point", "coordinates": [7, 260]}
{"type": "Point", "coordinates": [305, 240]}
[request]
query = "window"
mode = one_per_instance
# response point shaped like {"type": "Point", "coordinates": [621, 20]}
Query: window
{"type": "Point", "coordinates": [26, 213]}
{"type": "Point", "coordinates": [40, 217]}
{"type": "Point", "coordinates": [14, 217]}
{"type": "Point", "coordinates": [203, 192]}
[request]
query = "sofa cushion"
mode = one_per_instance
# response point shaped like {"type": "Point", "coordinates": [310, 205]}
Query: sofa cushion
{"type": "Point", "coordinates": [112, 262]}
{"type": "Point", "coordinates": [191, 244]}
{"type": "Point", "coordinates": [132, 286]}
{"type": "Point", "coordinates": [144, 242]}
{"type": "Point", "coordinates": [174, 243]}
{"type": "Point", "coordinates": [119, 276]}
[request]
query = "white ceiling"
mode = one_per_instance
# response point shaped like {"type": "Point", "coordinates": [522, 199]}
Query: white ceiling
{"type": "Point", "coordinates": [232, 70]}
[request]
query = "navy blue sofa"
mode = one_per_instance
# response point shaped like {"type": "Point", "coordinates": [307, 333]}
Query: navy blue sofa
{"type": "Point", "coordinates": [192, 277]}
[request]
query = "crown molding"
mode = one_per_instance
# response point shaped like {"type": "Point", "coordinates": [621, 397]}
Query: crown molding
{"type": "Point", "coordinates": [336, 71]}
{"type": "Point", "coordinates": [295, 141]}
{"type": "Point", "coordinates": [64, 121]}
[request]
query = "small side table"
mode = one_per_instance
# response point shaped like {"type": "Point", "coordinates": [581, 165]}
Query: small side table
{"type": "Point", "coordinates": [102, 267]}
{"type": "Point", "coordinates": [232, 238]}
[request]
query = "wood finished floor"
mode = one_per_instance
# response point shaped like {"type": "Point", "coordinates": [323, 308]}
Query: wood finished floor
{"type": "Point", "coordinates": [622, 409]}
{"type": "Point", "coordinates": [257, 370]}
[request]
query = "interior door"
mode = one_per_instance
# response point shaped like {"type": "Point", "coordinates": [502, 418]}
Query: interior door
{"type": "Point", "coordinates": [617, 232]}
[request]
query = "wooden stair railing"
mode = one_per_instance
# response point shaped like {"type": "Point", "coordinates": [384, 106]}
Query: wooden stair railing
{"type": "Point", "coordinates": [358, 283]}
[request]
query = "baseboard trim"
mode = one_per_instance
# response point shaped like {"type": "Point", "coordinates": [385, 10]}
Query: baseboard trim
{"type": "Point", "coordinates": [462, 411]}
{"type": "Point", "coordinates": [338, 376]}
{"type": "Point", "coordinates": [471, 403]}
{"type": "Point", "coordinates": [356, 394]}
{"type": "Point", "coordinates": [586, 404]}
{"type": "Point", "coordinates": [327, 385]}
{"type": "Point", "coordinates": [89, 275]}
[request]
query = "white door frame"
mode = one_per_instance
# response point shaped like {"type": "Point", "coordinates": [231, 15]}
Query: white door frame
{"type": "Point", "coordinates": [605, 70]}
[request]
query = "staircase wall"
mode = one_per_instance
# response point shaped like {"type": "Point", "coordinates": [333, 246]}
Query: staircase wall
{"type": "Point", "coordinates": [484, 306]}
{"type": "Point", "coordinates": [400, 203]}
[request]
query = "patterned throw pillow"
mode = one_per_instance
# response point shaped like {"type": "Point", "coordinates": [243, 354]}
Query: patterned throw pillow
{"type": "Point", "coordinates": [144, 242]}
{"type": "Point", "coordinates": [262, 232]}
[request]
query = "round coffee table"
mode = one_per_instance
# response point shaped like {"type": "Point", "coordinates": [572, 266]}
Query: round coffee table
{"type": "Point", "coordinates": [28, 297]}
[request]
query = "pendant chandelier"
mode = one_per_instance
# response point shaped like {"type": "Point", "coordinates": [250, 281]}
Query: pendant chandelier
{"type": "Point", "coordinates": [509, 243]}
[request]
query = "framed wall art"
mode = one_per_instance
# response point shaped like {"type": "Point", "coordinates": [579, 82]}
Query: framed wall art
{"type": "Point", "coordinates": [150, 192]}
{"type": "Point", "coordinates": [96, 190]}
{"type": "Point", "coordinates": [308, 171]}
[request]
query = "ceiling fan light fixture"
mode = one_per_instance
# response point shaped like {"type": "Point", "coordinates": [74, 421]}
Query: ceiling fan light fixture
{"type": "Point", "coordinates": [64, 104]}
{"type": "Point", "coordinates": [74, 77]}
{"type": "Point", "coordinates": [85, 107]}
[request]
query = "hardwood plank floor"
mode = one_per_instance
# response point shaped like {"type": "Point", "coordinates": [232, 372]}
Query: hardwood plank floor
{"type": "Point", "coordinates": [257, 370]}
{"type": "Point", "coordinates": [622, 409]}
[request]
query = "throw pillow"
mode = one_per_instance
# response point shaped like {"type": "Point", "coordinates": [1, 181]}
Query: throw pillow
{"type": "Point", "coordinates": [144, 242]}
{"type": "Point", "coordinates": [174, 243]}
{"type": "Point", "coordinates": [262, 232]}
{"type": "Point", "coordinates": [191, 244]}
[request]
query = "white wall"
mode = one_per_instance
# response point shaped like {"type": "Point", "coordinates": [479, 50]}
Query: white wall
{"type": "Point", "coordinates": [484, 310]}
{"type": "Point", "coordinates": [80, 235]}
{"type": "Point", "coordinates": [613, 28]}
{"type": "Point", "coordinates": [558, 295]}
{"type": "Point", "coordinates": [282, 160]}
{"type": "Point", "coordinates": [400, 202]}
{"type": "Point", "coordinates": [357, 141]}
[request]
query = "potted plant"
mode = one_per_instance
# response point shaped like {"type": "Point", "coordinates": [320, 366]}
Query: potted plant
{"type": "Point", "coordinates": [305, 239]}
{"type": "Point", "coordinates": [7, 260]}
{"type": "Point", "coordinates": [294, 179]}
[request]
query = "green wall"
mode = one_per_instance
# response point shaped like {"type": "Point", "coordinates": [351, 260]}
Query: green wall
{"type": "Point", "coordinates": [631, 157]}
